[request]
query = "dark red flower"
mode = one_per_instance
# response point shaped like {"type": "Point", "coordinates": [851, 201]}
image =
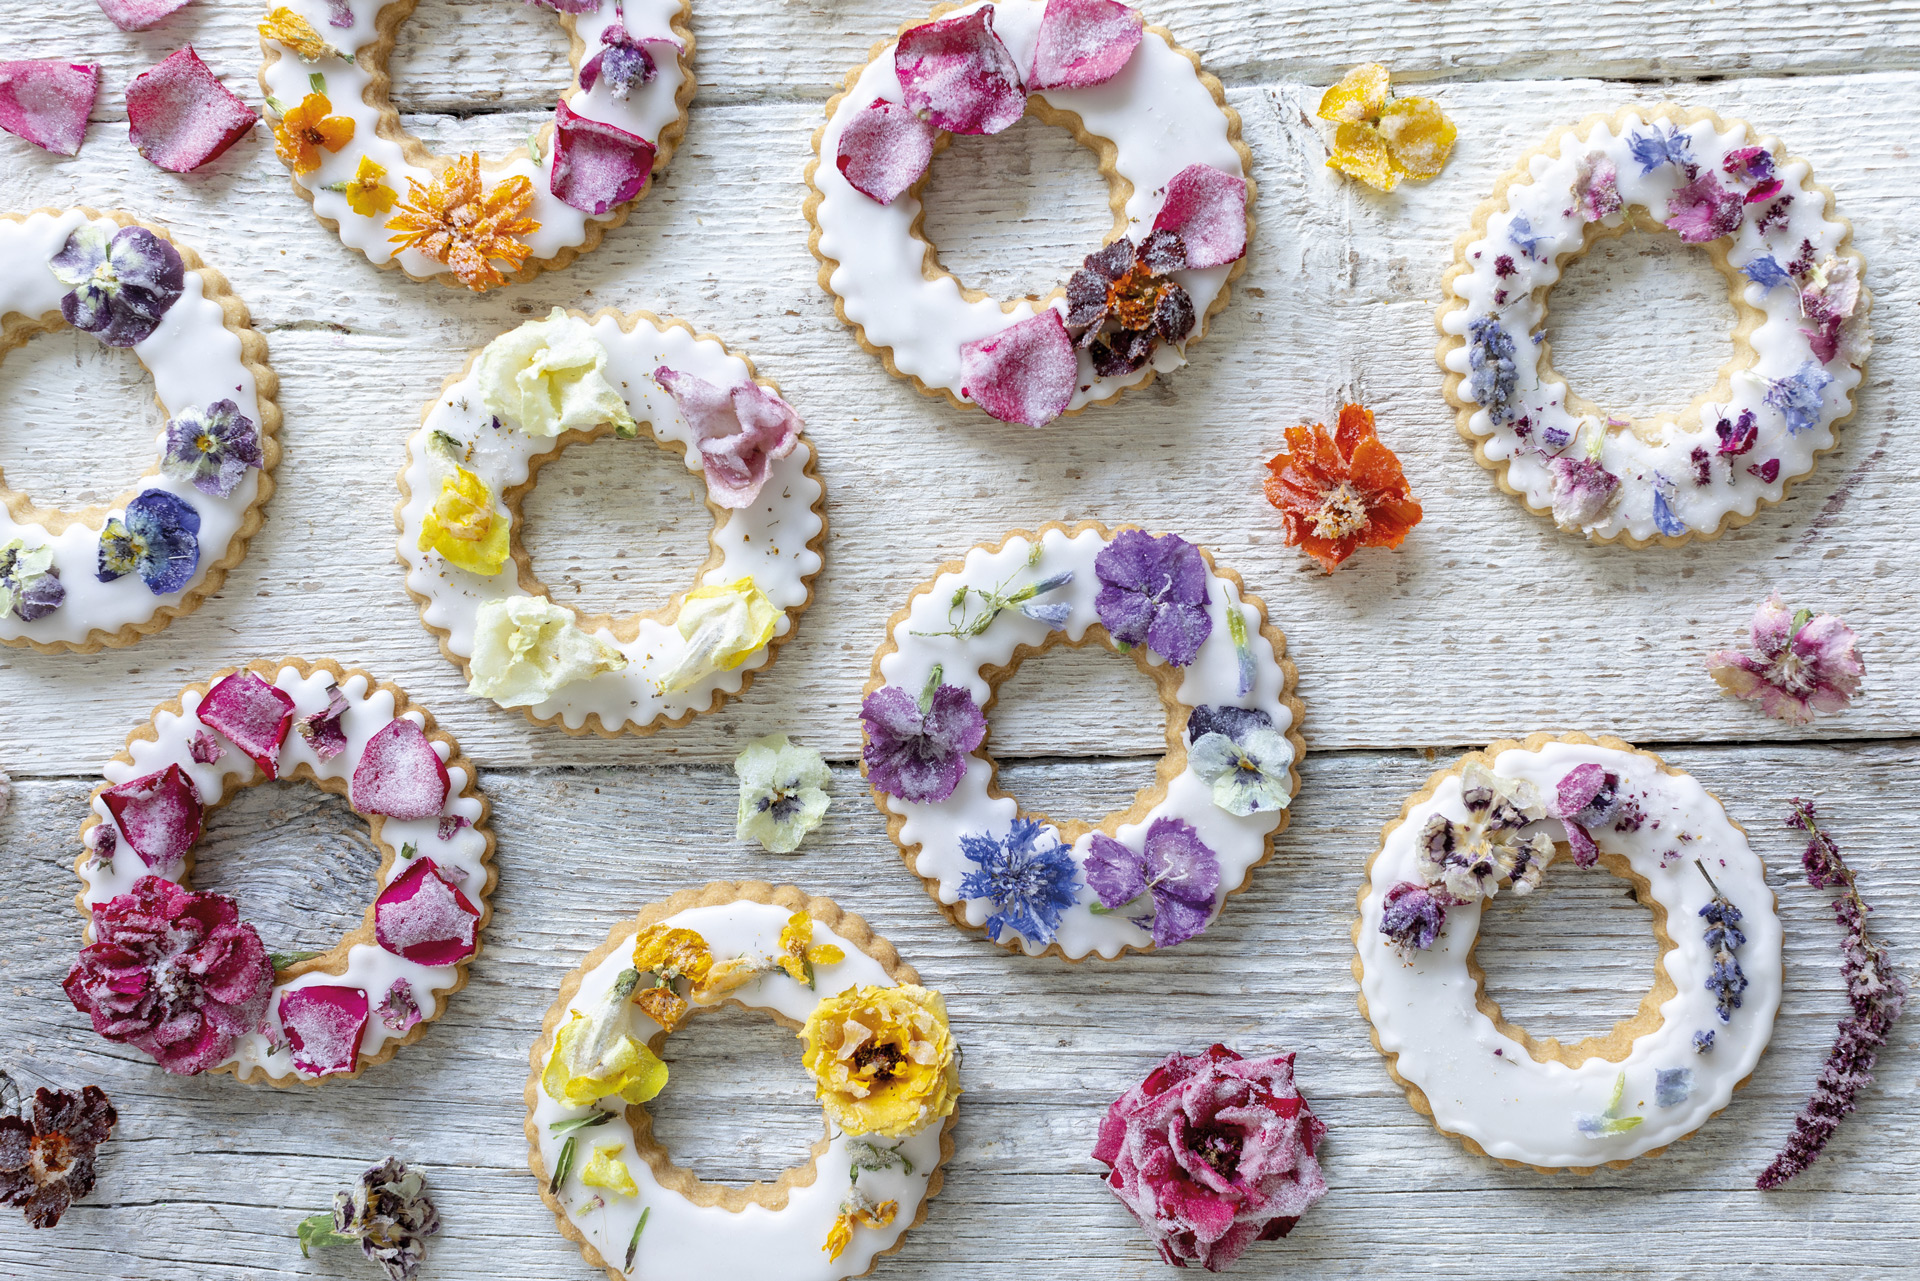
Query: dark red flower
{"type": "Point", "coordinates": [47, 1164]}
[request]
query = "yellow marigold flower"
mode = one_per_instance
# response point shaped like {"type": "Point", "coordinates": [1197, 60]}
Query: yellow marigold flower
{"type": "Point", "coordinates": [882, 1059]}
{"type": "Point", "coordinates": [606, 1170]}
{"type": "Point", "coordinates": [723, 626]}
{"type": "Point", "coordinates": [297, 34]}
{"type": "Point", "coordinates": [366, 194]}
{"type": "Point", "coordinates": [1380, 139]}
{"type": "Point", "coordinates": [303, 130]}
{"type": "Point", "coordinates": [458, 221]}
{"type": "Point", "coordinates": [593, 1057]}
{"type": "Point", "coordinates": [799, 953]}
{"type": "Point", "coordinates": [857, 1211]}
{"type": "Point", "coordinates": [463, 526]}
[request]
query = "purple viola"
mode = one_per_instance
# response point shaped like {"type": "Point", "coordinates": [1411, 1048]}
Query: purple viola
{"type": "Point", "coordinates": [1413, 914]}
{"type": "Point", "coordinates": [1153, 592]}
{"type": "Point", "coordinates": [623, 60]}
{"type": "Point", "coordinates": [917, 750]}
{"type": "Point", "coordinates": [1173, 868]}
{"type": "Point", "coordinates": [122, 283]}
{"type": "Point", "coordinates": [30, 583]}
{"type": "Point", "coordinates": [212, 448]}
{"type": "Point", "coordinates": [158, 538]}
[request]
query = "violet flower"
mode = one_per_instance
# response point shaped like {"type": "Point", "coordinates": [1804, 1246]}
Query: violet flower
{"type": "Point", "coordinates": [1121, 303]}
{"type": "Point", "coordinates": [1799, 397]}
{"type": "Point", "coordinates": [1727, 980]}
{"type": "Point", "coordinates": [1587, 797]}
{"type": "Point", "coordinates": [123, 283]}
{"type": "Point", "coordinates": [1414, 914]}
{"type": "Point", "coordinates": [1153, 592]}
{"type": "Point", "coordinates": [1174, 867]}
{"type": "Point", "coordinates": [1803, 664]}
{"type": "Point", "coordinates": [1030, 886]}
{"type": "Point", "coordinates": [918, 750]}
{"type": "Point", "coordinates": [157, 537]}
{"type": "Point", "coordinates": [1494, 377]}
{"type": "Point", "coordinates": [1704, 210]}
{"type": "Point", "coordinates": [1471, 858]}
{"type": "Point", "coordinates": [623, 60]}
{"type": "Point", "coordinates": [47, 1160]}
{"type": "Point", "coordinates": [30, 583]}
{"type": "Point", "coordinates": [212, 448]}
{"type": "Point", "coordinates": [1653, 149]}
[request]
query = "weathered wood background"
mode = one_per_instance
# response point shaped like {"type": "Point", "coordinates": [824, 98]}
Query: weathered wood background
{"type": "Point", "coordinates": [1487, 623]}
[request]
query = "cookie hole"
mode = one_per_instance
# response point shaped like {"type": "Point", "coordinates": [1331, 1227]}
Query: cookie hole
{"type": "Point", "coordinates": [81, 422]}
{"type": "Point", "coordinates": [1013, 214]}
{"type": "Point", "coordinates": [1077, 732]}
{"type": "Point", "coordinates": [297, 859]}
{"type": "Point", "coordinates": [1640, 324]}
{"type": "Point", "coordinates": [452, 61]}
{"type": "Point", "coordinates": [616, 526]}
{"type": "Point", "coordinates": [739, 1105]}
{"type": "Point", "coordinates": [1573, 958]}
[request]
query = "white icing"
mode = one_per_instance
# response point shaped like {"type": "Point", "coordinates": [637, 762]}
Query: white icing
{"type": "Point", "coordinates": [1664, 465]}
{"type": "Point", "coordinates": [1212, 679]}
{"type": "Point", "coordinates": [194, 360]}
{"type": "Point", "coordinates": [768, 540]}
{"type": "Point", "coordinates": [645, 111]}
{"type": "Point", "coordinates": [1157, 112]}
{"type": "Point", "coordinates": [1483, 1084]}
{"type": "Point", "coordinates": [685, 1240]}
{"type": "Point", "coordinates": [460, 857]}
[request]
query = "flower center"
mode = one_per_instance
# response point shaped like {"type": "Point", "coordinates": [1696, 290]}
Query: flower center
{"type": "Point", "coordinates": [1790, 672]}
{"type": "Point", "coordinates": [782, 803]}
{"type": "Point", "coordinates": [1221, 1150]}
{"type": "Point", "coordinates": [1132, 298]}
{"type": "Point", "coordinates": [52, 1153]}
{"type": "Point", "coordinates": [1342, 513]}
{"type": "Point", "coordinates": [878, 1062]}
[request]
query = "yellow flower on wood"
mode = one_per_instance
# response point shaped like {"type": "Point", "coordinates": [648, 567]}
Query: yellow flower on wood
{"type": "Point", "coordinates": [1380, 139]}
{"type": "Point", "coordinates": [594, 1057]}
{"type": "Point", "coordinates": [299, 134]}
{"type": "Point", "coordinates": [459, 221]}
{"type": "Point", "coordinates": [463, 526]}
{"type": "Point", "coordinates": [882, 1059]}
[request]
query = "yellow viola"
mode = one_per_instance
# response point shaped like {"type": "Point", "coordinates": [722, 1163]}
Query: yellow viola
{"type": "Point", "coordinates": [463, 526]}
{"type": "Point", "coordinates": [883, 1060]}
{"type": "Point", "coordinates": [298, 35]}
{"type": "Point", "coordinates": [366, 194]}
{"type": "Point", "coordinates": [1380, 139]}
{"type": "Point", "coordinates": [857, 1211]}
{"type": "Point", "coordinates": [720, 627]}
{"type": "Point", "coordinates": [799, 953]}
{"type": "Point", "coordinates": [605, 1169]}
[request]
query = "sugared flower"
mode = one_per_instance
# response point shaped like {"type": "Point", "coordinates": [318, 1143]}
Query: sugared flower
{"type": "Point", "coordinates": [212, 448]}
{"type": "Point", "coordinates": [1588, 796]}
{"type": "Point", "coordinates": [1493, 376]}
{"type": "Point", "coordinates": [1471, 857]}
{"type": "Point", "coordinates": [882, 1059]}
{"type": "Point", "coordinates": [623, 60]}
{"type": "Point", "coordinates": [525, 648]}
{"type": "Point", "coordinates": [324, 1025]}
{"type": "Point", "coordinates": [596, 165]}
{"type": "Point", "coordinates": [1024, 373]}
{"type": "Point", "coordinates": [160, 813]}
{"type": "Point", "coordinates": [783, 793]}
{"type": "Point", "coordinates": [1249, 767]}
{"type": "Point", "coordinates": [304, 129]}
{"type": "Point", "coordinates": [398, 1010]}
{"type": "Point", "coordinates": [1121, 304]}
{"type": "Point", "coordinates": [955, 74]}
{"type": "Point", "coordinates": [1703, 210]}
{"type": "Point", "coordinates": [721, 626]}
{"type": "Point", "coordinates": [1799, 397]}
{"type": "Point", "coordinates": [1584, 491]}
{"type": "Point", "coordinates": [179, 115]}
{"type": "Point", "coordinates": [740, 431]}
{"type": "Point", "coordinates": [1596, 187]}
{"type": "Point", "coordinates": [387, 1213]}
{"type": "Point", "coordinates": [457, 221]}
{"type": "Point", "coordinates": [605, 1169]}
{"type": "Point", "coordinates": [1829, 299]}
{"type": "Point", "coordinates": [30, 584]}
{"type": "Point", "coordinates": [366, 194]}
{"type": "Point", "coordinates": [919, 753]}
{"type": "Point", "coordinates": [1802, 664]}
{"type": "Point", "coordinates": [596, 1054]}
{"type": "Point", "coordinates": [298, 35]}
{"type": "Point", "coordinates": [1030, 885]}
{"type": "Point", "coordinates": [47, 101]}
{"type": "Point", "coordinates": [1412, 915]}
{"type": "Point", "coordinates": [799, 953]}
{"type": "Point", "coordinates": [157, 537]}
{"type": "Point", "coordinates": [463, 526]}
{"type": "Point", "coordinates": [1339, 492]}
{"type": "Point", "coordinates": [547, 377]}
{"type": "Point", "coordinates": [1652, 148]}
{"type": "Point", "coordinates": [47, 1163]}
{"type": "Point", "coordinates": [1174, 869]}
{"type": "Point", "coordinates": [424, 917]}
{"type": "Point", "coordinates": [399, 774]}
{"type": "Point", "coordinates": [253, 715]}
{"type": "Point", "coordinates": [884, 149]}
{"type": "Point", "coordinates": [670, 953]}
{"type": "Point", "coordinates": [1153, 592]}
{"type": "Point", "coordinates": [1213, 1152]}
{"type": "Point", "coordinates": [1380, 139]}
{"type": "Point", "coordinates": [122, 282]}
{"type": "Point", "coordinates": [172, 972]}
{"type": "Point", "coordinates": [857, 1211]}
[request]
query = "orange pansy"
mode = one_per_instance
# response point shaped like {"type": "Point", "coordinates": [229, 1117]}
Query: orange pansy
{"type": "Point", "coordinates": [1342, 491]}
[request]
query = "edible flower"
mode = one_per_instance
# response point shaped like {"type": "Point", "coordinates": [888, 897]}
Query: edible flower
{"type": "Point", "coordinates": [463, 526]}
{"type": "Point", "coordinates": [212, 448]}
{"type": "Point", "coordinates": [47, 101]}
{"type": "Point", "coordinates": [670, 953]}
{"type": "Point", "coordinates": [624, 61]}
{"type": "Point", "coordinates": [179, 115]}
{"type": "Point", "coordinates": [1153, 592]}
{"type": "Point", "coordinates": [596, 165]}
{"type": "Point", "coordinates": [883, 1060]}
{"type": "Point", "coordinates": [1025, 373]}
{"type": "Point", "coordinates": [918, 750]}
{"type": "Point", "coordinates": [1829, 299]}
{"type": "Point", "coordinates": [1380, 139]}
{"type": "Point", "coordinates": [595, 1055]}
{"type": "Point", "coordinates": [782, 793]}
{"type": "Point", "coordinates": [366, 194]}
{"type": "Point", "coordinates": [455, 220]}
{"type": "Point", "coordinates": [799, 953]}
{"type": "Point", "coordinates": [387, 1213]}
{"type": "Point", "coordinates": [605, 1169]}
{"type": "Point", "coordinates": [525, 648]}
{"type": "Point", "coordinates": [1798, 397]}
{"type": "Point", "coordinates": [30, 585]}
{"type": "Point", "coordinates": [1703, 210]}
{"type": "Point", "coordinates": [1121, 304]}
{"type": "Point", "coordinates": [1584, 491]}
{"type": "Point", "coordinates": [721, 626]}
{"type": "Point", "coordinates": [297, 34]}
{"type": "Point", "coordinates": [1029, 885]}
{"type": "Point", "coordinates": [1803, 664]}
{"type": "Point", "coordinates": [1471, 857]}
{"type": "Point", "coordinates": [546, 377]}
{"type": "Point", "coordinates": [121, 283]}
{"type": "Point", "coordinates": [1341, 491]}
{"type": "Point", "coordinates": [303, 130]}
{"type": "Point", "coordinates": [740, 431]}
{"type": "Point", "coordinates": [1412, 915]}
{"type": "Point", "coordinates": [47, 1162]}
{"type": "Point", "coordinates": [857, 1211]}
{"type": "Point", "coordinates": [157, 537]}
{"type": "Point", "coordinates": [1245, 760]}
{"type": "Point", "coordinates": [1174, 870]}
{"type": "Point", "coordinates": [1615, 1120]}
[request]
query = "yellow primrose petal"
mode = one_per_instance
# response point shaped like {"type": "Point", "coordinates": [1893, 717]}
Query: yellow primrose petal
{"type": "Point", "coordinates": [604, 1169]}
{"type": "Point", "coordinates": [882, 1059]}
{"type": "Point", "coordinates": [297, 34]}
{"type": "Point", "coordinates": [1419, 136]}
{"type": "Point", "coordinates": [673, 953]}
{"type": "Point", "coordinates": [463, 526]}
{"type": "Point", "coordinates": [545, 378]}
{"type": "Point", "coordinates": [725, 977]}
{"type": "Point", "coordinates": [1359, 95]}
{"type": "Point", "coordinates": [839, 1236]}
{"type": "Point", "coordinates": [663, 1005]}
{"type": "Point", "coordinates": [366, 194]}
{"type": "Point", "coordinates": [825, 954]}
{"type": "Point", "coordinates": [580, 1072]}
{"type": "Point", "coordinates": [1360, 152]}
{"type": "Point", "coordinates": [722, 626]}
{"type": "Point", "coordinates": [526, 647]}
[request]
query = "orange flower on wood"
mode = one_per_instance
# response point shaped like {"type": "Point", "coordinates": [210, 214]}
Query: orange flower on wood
{"type": "Point", "coordinates": [457, 221]}
{"type": "Point", "coordinates": [1340, 492]}
{"type": "Point", "coordinates": [304, 129]}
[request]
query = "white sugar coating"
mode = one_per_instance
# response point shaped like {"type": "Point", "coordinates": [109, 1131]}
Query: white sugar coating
{"type": "Point", "coordinates": [180, 115]}
{"type": "Point", "coordinates": [431, 914]}
{"type": "Point", "coordinates": [687, 1240]}
{"type": "Point", "coordinates": [326, 1026]}
{"type": "Point", "coordinates": [1483, 1084]}
{"type": "Point", "coordinates": [194, 360]}
{"type": "Point", "coordinates": [1160, 116]}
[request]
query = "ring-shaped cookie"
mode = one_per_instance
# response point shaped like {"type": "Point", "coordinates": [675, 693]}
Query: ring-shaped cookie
{"type": "Point", "coordinates": [169, 540]}
{"type": "Point", "coordinates": [1655, 1078]}
{"type": "Point", "coordinates": [771, 539]}
{"type": "Point", "coordinates": [1159, 117]}
{"type": "Point", "coordinates": [324, 72]}
{"type": "Point", "coordinates": [334, 1013]}
{"type": "Point", "coordinates": [1220, 794]}
{"type": "Point", "coordinates": [1798, 349]}
{"type": "Point", "coordinates": [664, 1221]}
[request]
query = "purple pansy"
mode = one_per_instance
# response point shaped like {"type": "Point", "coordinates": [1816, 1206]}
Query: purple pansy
{"type": "Point", "coordinates": [1414, 914]}
{"type": "Point", "coordinates": [623, 60]}
{"type": "Point", "coordinates": [1174, 866]}
{"type": "Point", "coordinates": [1587, 797]}
{"type": "Point", "coordinates": [158, 538]}
{"type": "Point", "coordinates": [1798, 397]}
{"type": "Point", "coordinates": [122, 283]}
{"type": "Point", "coordinates": [1802, 664]}
{"type": "Point", "coordinates": [920, 753]}
{"type": "Point", "coordinates": [212, 448]}
{"type": "Point", "coordinates": [1029, 884]}
{"type": "Point", "coordinates": [1153, 592]}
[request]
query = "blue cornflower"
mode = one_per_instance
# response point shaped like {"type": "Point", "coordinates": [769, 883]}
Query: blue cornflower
{"type": "Point", "coordinates": [1798, 398]}
{"type": "Point", "coordinates": [1766, 272]}
{"type": "Point", "coordinates": [1520, 232]}
{"type": "Point", "coordinates": [1663, 518]}
{"type": "Point", "coordinates": [1029, 886]}
{"type": "Point", "coordinates": [1655, 149]}
{"type": "Point", "coordinates": [158, 538]}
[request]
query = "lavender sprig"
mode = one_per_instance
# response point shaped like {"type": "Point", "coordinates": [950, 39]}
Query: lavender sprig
{"type": "Point", "coordinates": [1876, 992]}
{"type": "Point", "coordinates": [1728, 980]}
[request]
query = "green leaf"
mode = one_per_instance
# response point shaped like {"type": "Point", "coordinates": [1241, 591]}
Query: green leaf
{"type": "Point", "coordinates": [287, 960]}
{"type": "Point", "coordinates": [1620, 1124]}
{"type": "Point", "coordinates": [409, 850]}
{"type": "Point", "coordinates": [633, 1242]}
{"type": "Point", "coordinates": [1801, 617]}
{"type": "Point", "coordinates": [562, 1166]}
{"type": "Point", "coordinates": [1035, 552]}
{"type": "Point", "coordinates": [316, 82]}
{"type": "Point", "coordinates": [1619, 1092]}
{"type": "Point", "coordinates": [573, 1123]}
{"type": "Point", "coordinates": [440, 440]}
{"type": "Point", "coordinates": [1140, 903]}
{"type": "Point", "coordinates": [933, 684]}
{"type": "Point", "coordinates": [316, 1232]}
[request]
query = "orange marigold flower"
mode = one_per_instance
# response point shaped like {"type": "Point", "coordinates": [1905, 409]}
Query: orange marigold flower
{"type": "Point", "coordinates": [457, 221]}
{"type": "Point", "coordinates": [304, 129]}
{"type": "Point", "coordinates": [1340, 492]}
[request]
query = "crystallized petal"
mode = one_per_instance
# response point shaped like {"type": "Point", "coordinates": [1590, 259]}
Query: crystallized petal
{"type": "Point", "coordinates": [400, 775]}
{"type": "Point", "coordinates": [1023, 374]}
{"type": "Point", "coordinates": [1207, 207]}
{"type": "Point", "coordinates": [1359, 96]}
{"type": "Point", "coordinates": [47, 102]}
{"type": "Point", "coordinates": [956, 75]}
{"type": "Point", "coordinates": [253, 715]}
{"type": "Point", "coordinates": [721, 626]}
{"type": "Point", "coordinates": [739, 432]}
{"type": "Point", "coordinates": [425, 918]}
{"type": "Point", "coordinates": [160, 815]}
{"type": "Point", "coordinates": [884, 150]}
{"type": "Point", "coordinates": [180, 117]}
{"type": "Point", "coordinates": [919, 758]}
{"type": "Point", "coordinates": [1359, 151]}
{"type": "Point", "coordinates": [122, 283]}
{"type": "Point", "coordinates": [548, 376]}
{"type": "Point", "coordinates": [138, 15]}
{"type": "Point", "coordinates": [1419, 137]}
{"type": "Point", "coordinates": [596, 166]}
{"type": "Point", "coordinates": [323, 730]}
{"type": "Point", "coordinates": [397, 1009]}
{"type": "Point", "coordinates": [1116, 872]}
{"type": "Point", "coordinates": [324, 1025]}
{"type": "Point", "coordinates": [1704, 210]}
{"type": "Point", "coordinates": [526, 647]}
{"type": "Point", "coordinates": [624, 61]}
{"type": "Point", "coordinates": [1083, 43]}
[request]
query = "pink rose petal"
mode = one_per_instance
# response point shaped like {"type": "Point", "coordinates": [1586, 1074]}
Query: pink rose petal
{"type": "Point", "coordinates": [324, 1026]}
{"type": "Point", "coordinates": [1083, 43]}
{"type": "Point", "coordinates": [47, 102]}
{"type": "Point", "coordinates": [452, 823]}
{"type": "Point", "coordinates": [1023, 374]}
{"type": "Point", "coordinates": [138, 15]}
{"type": "Point", "coordinates": [322, 730]}
{"type": "Point", "coordinates": [884, 149]}
{"type": "Point", "coordinates": [205, 748]}
{"type": "Point", "coordinates": [596, 166]}
{"type": "Point", "coordinates": [958, 76]}
{"type": "Point", "coordinates": [400, 775]}
{"type": "Point", "coordinates": [180, 117]}
{"type": "Point", "coordinates": [253, 715]}
{"type": "Point", "coordinates": [1208, 209]}
{"type": "Point", "coordinates": [739, 432]}
{"type": "Point", "coordinates": [397, 1009]}
{"type": "Point", "coordinates": [160, 815]}
{"type": "Point", "coordinates": [424, 917]}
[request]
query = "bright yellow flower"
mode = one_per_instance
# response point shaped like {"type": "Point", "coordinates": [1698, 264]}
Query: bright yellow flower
{"type": "Point", "coordinates": [366, 194]}
{"type": "Point", "coordinates": [1380, 139]}
{"type": "Point", "coordinates": [722, 626]}
{"type": "Point", "coordinates": [303, 130]}
{"type": "Point", "coordinates": [605, 1170]}
{"type": "Point", "coordinates": [593, 1058]}
{"type": "Point", "coordinates": [882, 1059]}
{"type": "Point", "coordinates": [671, 954]}
{"type": "Point", "coordinates": [297, 34]}
{"type": "Point", "coordinates": [799, 953]}
{"type": "Point", "coordinates": [463, 526]}
{"type": "Point", "coordinates": [456, 220]}
{"type": "Point", "coordinates": [857, 1211]}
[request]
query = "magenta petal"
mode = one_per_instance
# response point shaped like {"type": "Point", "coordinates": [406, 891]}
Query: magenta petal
{"type": "Point", "coordinates": [1208, 208]}
{"type": "Point", "coordinates": [47, 102]}
{"type": "Point", "coordinates": [324, 1026]}
{"type": "Point", "coordinates": [884, 149]}
{"type": "Point", "coordinates": [1023, 374]}
{"type": "Point", "coordinates": [1083, 43]}
{"type": "Point", "coordinates": [253, 715]}
{"type": "Point", "coordinates": [596, 166]}
{"type": "Point", "coordinates": [180, 117]}
{"type": "Point", "coordinates": [160, 815]}
{"type": "Point", "coordinates": [424, 917]}
{"type": "Point", "coordinates": [400, 775]}
{"type": "Point", "coordinates": [957, 75]}
{"type": "Point", "coordinates": [739, 432]}
{"type": "Point", "coordinates": [138, 15]}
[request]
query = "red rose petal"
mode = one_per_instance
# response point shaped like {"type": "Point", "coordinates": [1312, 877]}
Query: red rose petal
{"type": "Point", "coordinates": [424, 917]}
{"type": "Point", "coordinates": [47, 102]}
{"type": "Point", "coordinates": [400, 775]}
{"type": "Point", "coordinates": [138, 15]}
{"type": "Point", "coordinates": [1208, 208]}
{"type": "Point", "coordinates": [1083, 43]}
{"type": "Point", "coordinates": [958, 76]}
{"type": "Point", "coordinates": [253, 715]}
{"type": "Point", "coordinates": [179, 116]}
{"type": "Point", "coordinates": [1024, 373]}
{"type": "Point", "coordinates": [159, 814]}
{"type": "Point", "coordinates": [884, 149]}
{"type": "Point", "coordinates": [324, 1026]}
{"type": "Point", "coordinates": [596, 166]}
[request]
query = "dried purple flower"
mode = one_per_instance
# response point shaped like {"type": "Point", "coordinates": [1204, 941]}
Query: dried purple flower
{"type": "Point", "coordinates": [1494, 377]}
{"type": "Point", "coordinates": [212, 448]}
{"type": "Point", "coordinates": [918, 750]}
{"type": "Point", "coordinates": [1174, 867]}
{"type": "Point", "coordinates": [1121, 305]}
{"type": "Point", "coordinates": [387, 1213]}
{"type": "Point", "coordinates": [1584, 491]}
{"type": "Point", "coordinates": [323, 732]}
{"type": "Point", "coordinates": [1703, 1041]}
{"type": "Point", "coordinates": [1704, 210]}
{"type": "Point", "coordinates": [122, 283]}
{"type": "Point", "coordinates": [1414, 914]}
{"type": "Point", "coordinates": [46, 1164]}
{"type": "Point", "coordinates": [1153, 592]}
{"type": "Point", "coordinates": [1727, 980]}
{"type": "Point", "coordinates": [1803, 663]}
{"type": "Point", "coordinates": [1587, 797]}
